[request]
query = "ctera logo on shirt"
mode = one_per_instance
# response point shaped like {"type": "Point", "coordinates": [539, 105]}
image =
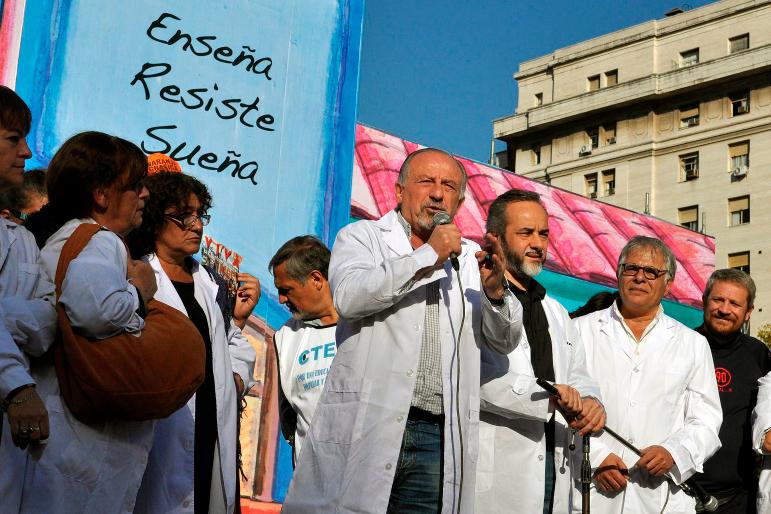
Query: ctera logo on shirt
{"type": "Point", "coordinates": [723, 377]}
{"type": "Point", "coordinates": [313, 353]}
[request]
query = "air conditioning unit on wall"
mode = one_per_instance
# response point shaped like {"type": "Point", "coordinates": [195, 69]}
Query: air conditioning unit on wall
{"type": "Point", "coordinates": [740, 171]}
{"type": "Point", "coordinates": [585, 150]}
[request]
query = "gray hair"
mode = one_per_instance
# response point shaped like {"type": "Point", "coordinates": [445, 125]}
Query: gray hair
{"type": "Point", "coordinates": [404, 171]}
{"type": "Point", "coordinates": [736, 276]}
{"type": "Point", "coordinates": [651, 243]}
{"type": "Point", "coordinates": [302, 255]}
{"type": "Point", "coordinates": [496, 215]}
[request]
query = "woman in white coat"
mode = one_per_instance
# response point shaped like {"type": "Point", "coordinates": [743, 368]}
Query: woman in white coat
{"type": "Point", "coordinates": [192, 465]}
{"type": "Point", "coordinates": [97, 468]}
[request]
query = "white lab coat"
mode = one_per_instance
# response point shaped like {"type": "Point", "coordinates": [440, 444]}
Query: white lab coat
{"type": "Point", "coordinates": [350, 454]}
{"type": "Point", "coordinates": [27, 329]}
{"type": "Point", "coordinates": [84, 468]}
{"type": "Point", "coordinates": [667, 395]}
{"type": "Point", "coordinates": [168, 482]}
{"type": "Point", "coordinates": [305, 353]}
{"type": "Point", "coordinates": [761, 421]}
{"type": "Point", "coordinates": [512, 442]}
{"type": "Point", "coordinates": [26, 307]}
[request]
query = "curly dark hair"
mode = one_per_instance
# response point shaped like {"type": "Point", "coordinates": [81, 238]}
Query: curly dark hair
{"type": "Point", "coordinates": [83, 164]}
{"type": "Point", "coordinates": [167, 189]}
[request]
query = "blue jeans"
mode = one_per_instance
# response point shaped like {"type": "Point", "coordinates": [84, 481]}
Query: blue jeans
{"type": "Point", "coordinates": [417, 487]}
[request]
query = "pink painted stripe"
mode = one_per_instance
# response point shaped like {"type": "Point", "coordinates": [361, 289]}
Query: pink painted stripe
{"type": "Point", "coordinates": [10, 40]}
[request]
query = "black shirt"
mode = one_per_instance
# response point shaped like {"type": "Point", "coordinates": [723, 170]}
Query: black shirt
{"type": "Point", "coordinates": [739, 363]}
{"type": "Point", "coordinates": [536, 328]}
{"type": "Point", "coordinates": [205, 405]}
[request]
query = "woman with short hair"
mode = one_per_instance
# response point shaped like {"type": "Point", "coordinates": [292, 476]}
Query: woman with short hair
{"type": "Point", "coordinates": [192, 466]}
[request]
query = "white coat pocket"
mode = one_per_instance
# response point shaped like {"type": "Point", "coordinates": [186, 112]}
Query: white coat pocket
{"type": "Point", "coordinates": [29, 273]}
{"type": "Point", "coordinates": [339, 413]}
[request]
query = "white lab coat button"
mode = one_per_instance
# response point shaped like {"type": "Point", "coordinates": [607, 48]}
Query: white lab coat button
{"type": "Point", "coordinates": [400, 419]}
{"type": "Point", "coordinates": [388, 466]}
{"type": "Point", "coordinates": [409, 372]}
{"type": "Point", "coordinates": [540, 457]}
{"type": "Point", "coordinates": [631, 440]}
{"type": "Point", "coordinates": [415, 327]}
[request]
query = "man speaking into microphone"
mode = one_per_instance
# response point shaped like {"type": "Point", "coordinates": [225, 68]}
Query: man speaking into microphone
{"type": "Point", "coordinates": [395, 429]}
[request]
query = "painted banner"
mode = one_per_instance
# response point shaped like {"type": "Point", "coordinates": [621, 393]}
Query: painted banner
{"type": "Point", "coordinates": [586, 236]}
{"type": "Point", "coordinates": [256, 98]}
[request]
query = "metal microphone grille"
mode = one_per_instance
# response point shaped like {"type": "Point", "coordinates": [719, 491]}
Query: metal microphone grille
{"type": "Point", "coordinates": [441, 218]}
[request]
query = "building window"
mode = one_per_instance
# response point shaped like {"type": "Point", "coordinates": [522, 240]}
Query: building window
{"type": "Point", "coordinates": [689, 166]}
{"type": "Point", "coordinates": [689, 57]}
{"type": "Point", "coordinates": [739, 158]}
{"type": "Point", "coordinates": [590, 185]}
{"type": "Point", "coordinates": [594, 82]}
{"type": "Point", "coordinates": [538, 100]}
{"type": "Point", "coordinates": [739, 211]}
{"type": "Point", "coordinates": [535, 154]}
{"type": "Point", "coordinates": [609, 133]}
{"type": "Point", "coordinates": [689, 116]}
{"type": "Point", "coordinates": [609, 182]}
{"type": "Point", "coordinates": [611, 78]}
{"type": "Point", "coordinates": [594, 136]}
{"type": "Point", "coordinates": [688, 217]}
{"type": "Point", "coordinates": [740, 103]}
{"type": "Point", "coordinates": [740, 260]}
{"type": "Point", "coordinates": [738, 43]}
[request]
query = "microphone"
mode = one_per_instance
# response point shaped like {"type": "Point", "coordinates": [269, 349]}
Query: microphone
{"type": "Point", "coordinates": [442, 218]}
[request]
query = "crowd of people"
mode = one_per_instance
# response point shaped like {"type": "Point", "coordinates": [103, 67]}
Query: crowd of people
{"type": "Point", "coordinates": [420, 372]}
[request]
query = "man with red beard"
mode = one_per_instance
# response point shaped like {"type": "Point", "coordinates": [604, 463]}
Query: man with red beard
{"type": "Point", "coordinates": [740, 361]}
{"type": "Point", "coordinates": [524, 434]}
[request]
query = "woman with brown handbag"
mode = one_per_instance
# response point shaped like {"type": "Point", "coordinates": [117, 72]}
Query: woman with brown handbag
{"type": "Point", "coordinates": [192, 466]}
{"type": "Point", "coordinates": [95, 181]}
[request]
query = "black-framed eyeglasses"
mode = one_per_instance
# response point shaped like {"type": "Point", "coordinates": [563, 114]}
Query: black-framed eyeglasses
{"type": "Point", "coordinates": [649, 272]}
{"type": "Point", "coordinates": [188, 220]}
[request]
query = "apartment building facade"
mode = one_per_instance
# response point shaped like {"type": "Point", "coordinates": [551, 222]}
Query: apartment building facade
{"type": "Point", "coordinates": [671, 117]}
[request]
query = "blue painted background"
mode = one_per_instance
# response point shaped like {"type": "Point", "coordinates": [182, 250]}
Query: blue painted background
{"type": "Point", "coordinates": [79, 57]}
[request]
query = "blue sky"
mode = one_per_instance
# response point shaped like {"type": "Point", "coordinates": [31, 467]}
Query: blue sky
{"type": "Point", "coordinates": [438, 72]}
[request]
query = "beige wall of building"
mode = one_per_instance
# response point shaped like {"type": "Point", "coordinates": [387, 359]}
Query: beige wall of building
{"type": "Point", "coordinates": [659, 116]}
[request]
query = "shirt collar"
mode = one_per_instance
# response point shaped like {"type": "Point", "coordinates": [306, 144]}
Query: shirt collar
{"type": "Point", "coordinates": [653, 323]}
{"type": "Point", "coordinates": [404, 223]}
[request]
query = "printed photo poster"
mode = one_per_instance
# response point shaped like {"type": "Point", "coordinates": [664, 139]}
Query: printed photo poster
{"type": "Point", "coordinates": [256, 98]}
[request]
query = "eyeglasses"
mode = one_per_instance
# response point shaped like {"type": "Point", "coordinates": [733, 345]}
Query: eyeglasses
{"type": "Point", "coordinates": [187, 221]}
{"type": "Point", "coordinates": [649, 272]}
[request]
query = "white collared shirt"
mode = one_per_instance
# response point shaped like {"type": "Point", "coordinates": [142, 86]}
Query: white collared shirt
{"type": "Point", "coordinates": [632, 339]}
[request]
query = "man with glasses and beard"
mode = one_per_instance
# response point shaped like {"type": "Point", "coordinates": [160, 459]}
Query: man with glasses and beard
{"type": "Point", "coordinates": [657, 383]}
{"type": "Point", "coordinates": [524, 433]}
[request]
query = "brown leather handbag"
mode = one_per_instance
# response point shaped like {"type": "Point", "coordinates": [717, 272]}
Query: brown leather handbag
{"type": "Point", "coordinates": [126, 377]}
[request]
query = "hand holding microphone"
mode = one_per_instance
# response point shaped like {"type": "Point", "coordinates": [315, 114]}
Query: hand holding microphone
{"type": "Point", "coordinates": [445, 239]}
